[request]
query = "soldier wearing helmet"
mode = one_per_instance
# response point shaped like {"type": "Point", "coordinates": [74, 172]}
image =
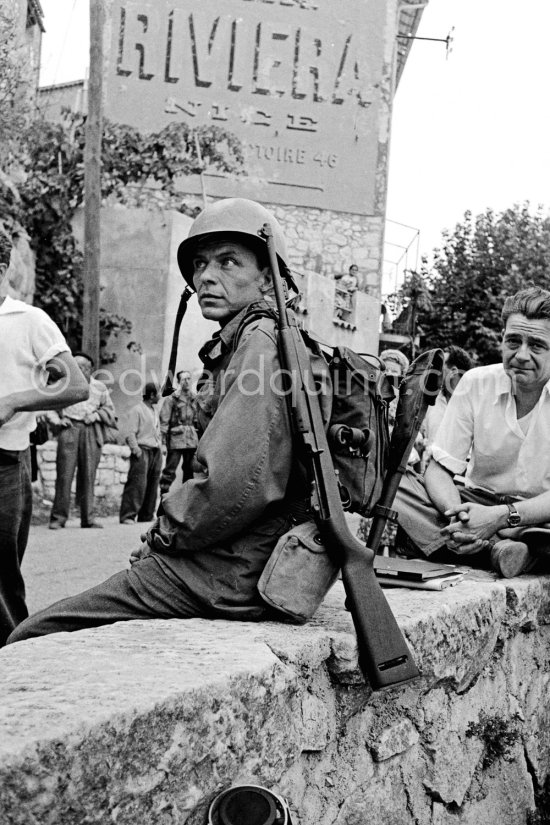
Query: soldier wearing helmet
{"type": "Point", "coordinates": [204, 554]}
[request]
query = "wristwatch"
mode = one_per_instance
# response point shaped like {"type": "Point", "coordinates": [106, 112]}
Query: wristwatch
{"type": "Point", "coordinates": [514, 518]}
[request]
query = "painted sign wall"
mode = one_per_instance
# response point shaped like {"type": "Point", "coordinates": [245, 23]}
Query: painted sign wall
{"type": "Point", "coordinates": [300, 82]}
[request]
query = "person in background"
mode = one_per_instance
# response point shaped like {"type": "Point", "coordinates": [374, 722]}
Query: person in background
{"type": "Point", "coordinates": [37, 372]}
{"type": "Point", "coordinates": [386, 320]}
{"type": "Point", "coordinates": [79, 444]}
{"type": "Point", "coordinates": [177, 426]}
{"type": "Point", "coordinates": [346, 286]}
{"type": "Point", "coordinates": [457, 362]}
{"type": "Point", "coordinates": [139, 496]}
{"type": "Point", "coordinates": [350, 281]}
{"type": "Point", "coordinates": [395, 361]}
{"type": "Point", "coordinates": [396, 365]}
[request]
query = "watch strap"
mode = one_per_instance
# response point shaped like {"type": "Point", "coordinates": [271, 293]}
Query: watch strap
{"type": "Point", "coordinates": [514, 518]}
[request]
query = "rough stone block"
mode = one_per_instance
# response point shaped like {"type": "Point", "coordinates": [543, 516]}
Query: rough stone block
{"type": "Point", "coordinates": [47, 453]}
{"type": "Point", "coordinates": [144, 721]}
{"type": "Point", "coordinates": [105, 478]}
{"type": "Point", "coordinates": [395, 739]}
{"type": "Point", "coordinates": [48, 473]}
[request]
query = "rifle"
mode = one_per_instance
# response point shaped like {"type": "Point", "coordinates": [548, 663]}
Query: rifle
{"type": "Point", "coordinates": [384, 656]}
{"type": "Point", "coordinates": [417, 391]}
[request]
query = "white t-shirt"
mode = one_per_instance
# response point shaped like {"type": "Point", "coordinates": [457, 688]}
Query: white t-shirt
{"type": "Point", "coordinates": [28, 340]}
{"type": "Point", "coordinates": [482, 415]}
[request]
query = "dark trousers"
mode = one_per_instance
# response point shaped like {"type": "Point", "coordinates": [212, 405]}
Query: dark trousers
{"type": "Point", "coordinates": [173, 458]}
{"type": "Point", "coordinates": [143, 592]}
{"type": "Point", "coordinates": [139, 497]}
{"type": "Point", "coordinates": [15, 519]}
{"type": "Point", "coordinates": [77, 448]}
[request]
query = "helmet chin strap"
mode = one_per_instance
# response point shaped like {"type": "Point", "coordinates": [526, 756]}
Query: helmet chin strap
{"type": "Point", "coordinates": [168, 387]}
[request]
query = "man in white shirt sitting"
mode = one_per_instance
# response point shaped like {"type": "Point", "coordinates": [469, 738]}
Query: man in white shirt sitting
{"type": "Point", "coordinates": [501, 413]}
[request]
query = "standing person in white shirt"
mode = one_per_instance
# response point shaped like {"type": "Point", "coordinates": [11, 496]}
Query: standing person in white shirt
{"type": "Point", "coordinates": [33, 352]}
{"type": "Point", "coordinates": [501, 413]}
{"type": "Point", "coordinates": [141, 489]}
{"type": "Point", "coordinates": [79, 444]}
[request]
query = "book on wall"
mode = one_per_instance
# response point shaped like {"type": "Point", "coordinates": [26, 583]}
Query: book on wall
{"type": "Point", "coordinates": [436, 583]}
{"type": "Point", "coordinates": [419, 570]}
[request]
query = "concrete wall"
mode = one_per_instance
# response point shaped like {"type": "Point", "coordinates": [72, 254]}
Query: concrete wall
{"type": "Point", "coordinates": [322, 240]}
{"type": "Point", "coordinates": [141, 282]}
{"type": "Point", "coordinates": [146, 721]}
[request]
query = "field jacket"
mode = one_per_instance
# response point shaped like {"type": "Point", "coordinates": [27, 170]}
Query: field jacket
{"type": "Point", "coordinates": [218, 530]}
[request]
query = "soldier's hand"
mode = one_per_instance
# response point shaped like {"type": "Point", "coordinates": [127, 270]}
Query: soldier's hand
{"type": "Point", "coordinates": [139, 553]}
{"type": "Point", "coordinates": [137, 452]}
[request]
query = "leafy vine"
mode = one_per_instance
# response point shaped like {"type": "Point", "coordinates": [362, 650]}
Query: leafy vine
{"type": "Point", "coordinates": [49, 165]}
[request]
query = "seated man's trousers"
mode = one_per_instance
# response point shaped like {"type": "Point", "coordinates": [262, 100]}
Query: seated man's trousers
{"type": "Point", "coordinates": [423, 523]}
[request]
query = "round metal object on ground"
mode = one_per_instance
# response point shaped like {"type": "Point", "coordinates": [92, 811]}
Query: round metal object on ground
{"type": "Point", "coordinates": [248, 805]}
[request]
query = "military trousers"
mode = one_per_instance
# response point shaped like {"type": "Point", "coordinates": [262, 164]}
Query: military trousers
{"type": "Point", "coordinates": [145, 591]}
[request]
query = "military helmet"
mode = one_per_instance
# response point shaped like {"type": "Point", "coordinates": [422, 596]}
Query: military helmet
{"type": "Point", "coordinates": [235, 216]}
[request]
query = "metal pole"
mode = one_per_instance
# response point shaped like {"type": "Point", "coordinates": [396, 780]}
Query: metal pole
{"type": "Point", "coordinates": [92, 185]}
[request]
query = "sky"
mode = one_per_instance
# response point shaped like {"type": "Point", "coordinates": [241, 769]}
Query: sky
{"type": "Point", "coordinates": [469, 131]}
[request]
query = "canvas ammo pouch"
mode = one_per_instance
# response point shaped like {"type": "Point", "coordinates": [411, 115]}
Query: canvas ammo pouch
{"type": "Point", "coordinates": [299, 573]}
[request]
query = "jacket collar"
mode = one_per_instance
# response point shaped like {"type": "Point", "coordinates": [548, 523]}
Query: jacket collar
{"type": "Point", "coordinates": [223, 339]}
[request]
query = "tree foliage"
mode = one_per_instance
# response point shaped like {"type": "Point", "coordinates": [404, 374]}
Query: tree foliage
{"type": "Point", "coordinates": [51, 159]}
{"type": "Point", "coordinates": [14, 77]}
{"type": "Point", "coordinates": [485, 258]}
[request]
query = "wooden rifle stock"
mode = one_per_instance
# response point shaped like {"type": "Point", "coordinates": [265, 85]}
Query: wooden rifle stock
{"type": "Point", "coordinates": [384, 656]}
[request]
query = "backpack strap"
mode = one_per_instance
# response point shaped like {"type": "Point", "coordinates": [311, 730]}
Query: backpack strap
{"type": "Point", "coordinates": [257, 310]}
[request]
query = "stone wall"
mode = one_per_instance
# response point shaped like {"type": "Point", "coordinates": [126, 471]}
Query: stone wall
{"type": "Point", "coordinates": [322, 240]}
{"type": "Point", "coordinates": [110, 477]}
{"type": "Point", "coordinates": [146, 721]}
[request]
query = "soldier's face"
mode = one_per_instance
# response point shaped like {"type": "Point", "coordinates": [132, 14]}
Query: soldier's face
{"type": "Point", "coordinates": [227, 277]}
